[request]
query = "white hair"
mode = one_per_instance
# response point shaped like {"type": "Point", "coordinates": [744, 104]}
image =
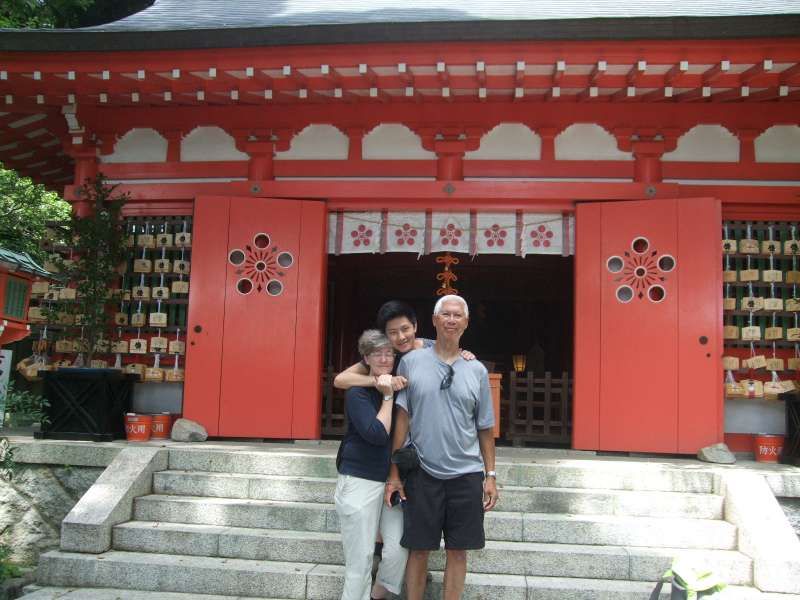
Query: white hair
{"type": "Point", "coordinates": [450, 297]}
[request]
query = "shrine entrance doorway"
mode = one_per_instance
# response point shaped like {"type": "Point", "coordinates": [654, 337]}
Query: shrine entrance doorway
{"type": "Point", "coordinates": [518, 306]}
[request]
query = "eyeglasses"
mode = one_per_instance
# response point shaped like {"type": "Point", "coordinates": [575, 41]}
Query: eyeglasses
{"type": "Point", "coordinates": [447, 381]}
{"type": "Point", "coordinates": [382, 354]}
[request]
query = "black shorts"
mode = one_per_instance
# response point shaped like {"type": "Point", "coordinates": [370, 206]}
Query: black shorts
{"type": "Point", "coordinates": [450, 506]}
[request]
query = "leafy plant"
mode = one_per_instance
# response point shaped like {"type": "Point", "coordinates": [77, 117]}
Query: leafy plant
{"type": "Point", "coordinates": [98, 248]}
{"type": "Point", "coordinates": [26, 404]}
{"type": "Point", "coordinates": [25, 208]}
{"type": "Point", "coordinates": [8, 570]}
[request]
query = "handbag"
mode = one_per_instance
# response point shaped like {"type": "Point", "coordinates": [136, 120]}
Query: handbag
{"type": "Point", "coordinates": [406, 459]}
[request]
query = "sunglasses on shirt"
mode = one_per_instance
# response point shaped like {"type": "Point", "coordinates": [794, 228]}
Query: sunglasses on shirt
{"type": "Point", "coordinates": [447, 381]}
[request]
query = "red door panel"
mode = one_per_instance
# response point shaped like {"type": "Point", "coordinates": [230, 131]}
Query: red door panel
{"type": "Point", "coordinates": [644, 381]}
{"type": "Point", "coordinates": [206, 297]}
{"type": "Point", "coordinates": [260, 319]}
{"type": "Point", "coordinates": [266, 310]}
{"type": "Point", "coordinates": [700, 397]}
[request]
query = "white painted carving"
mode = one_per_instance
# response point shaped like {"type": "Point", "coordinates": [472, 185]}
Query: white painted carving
{"type": "Point", "coordinates": [210, 143]}
{"type": "Point", "coordinates": [317, 142]}
{"type": "Point", "coordinates": [508, 141]}
{"type": "Point", "coordinates": [706, 143]}
{"type": "Point", "coordinates": [587, 141]}
{"type": "Point", "coordinates": [138, 145]}
{"type": "Point", "coordinates": [393, 141]}
{"type": "Point", "coordinates": [780, 144]}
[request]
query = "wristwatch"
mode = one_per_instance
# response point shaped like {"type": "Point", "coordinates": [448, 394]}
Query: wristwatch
{"type": "Point", "coordinates": [491, 474]}
{"type": "Point", "coordinates": [388, 398]}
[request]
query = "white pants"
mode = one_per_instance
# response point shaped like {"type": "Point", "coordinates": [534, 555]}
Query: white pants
{"type": "Point", "coordinates": [359, 504]}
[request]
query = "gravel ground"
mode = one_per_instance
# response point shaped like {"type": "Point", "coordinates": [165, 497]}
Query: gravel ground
{"type": "Point", "coordinates": [791, 506]}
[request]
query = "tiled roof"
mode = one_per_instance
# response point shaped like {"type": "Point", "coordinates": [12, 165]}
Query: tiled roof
{"type": "Point", "coordinates": [190, 24]}
{"type": "Point", "coordinates": [219, 14]}
{"type": "Point", "coordinates": [23, 261]}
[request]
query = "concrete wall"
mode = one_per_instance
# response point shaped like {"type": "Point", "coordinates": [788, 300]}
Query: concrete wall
{"type": "Point", "coordinates": [51, 478]}
{"type": "Point", "coordinates": [35, 501]}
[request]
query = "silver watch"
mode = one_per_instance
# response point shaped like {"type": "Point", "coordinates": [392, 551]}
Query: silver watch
{"type": "Point", "coordinates": [491, 474]}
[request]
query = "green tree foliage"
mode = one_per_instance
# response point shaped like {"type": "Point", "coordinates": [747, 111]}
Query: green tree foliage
{"type": "Point", "coordinates": [43, 13]}
{"type": "Point", "coordinates": [25, 208]}
{"type": "Point", "coordinates": [98, 242]}
{"type": "Point", "coordinates": [48, 14]}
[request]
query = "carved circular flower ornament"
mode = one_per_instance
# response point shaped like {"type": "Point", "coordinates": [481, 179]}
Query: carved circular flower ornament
{"type": "Point", "coordinates": [260, 266]}
{"type": "Point", "coordinates": [641, 272]}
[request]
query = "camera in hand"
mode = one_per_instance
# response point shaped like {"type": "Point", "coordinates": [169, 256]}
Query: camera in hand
{"type": "Point", "coordinates": [396, 499]}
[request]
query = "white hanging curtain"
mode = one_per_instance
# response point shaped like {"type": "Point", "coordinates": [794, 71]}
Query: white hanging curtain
{"type": "Point", "coordinates": [405, 232]}
{"type": "Point", "coordinates": [516, 232]}
{"type": "Point", "coordinates": [496, 233]}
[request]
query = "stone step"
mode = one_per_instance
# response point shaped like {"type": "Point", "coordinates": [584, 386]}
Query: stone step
{"type": "Point", "coordinates": [537, 588]}
{"type": "Point", "coordinates": [550, 473]}
{"type": "Point", "coordinates": [169, 573]}
{"type": "Point", "coordinates": [83, 593]}
{"type": "Point", "coordinates": [508, 526]}
{"type": "Point", "coordinates": [506, 558]}
{"type": "Point", "coordinates": [513, 498]}
{"type": "Point", "coordinates": [251, 579]}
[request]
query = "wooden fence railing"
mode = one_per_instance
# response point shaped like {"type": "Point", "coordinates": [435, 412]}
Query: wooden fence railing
{"type": "Point", "coordinates": [535, 409]}
{"type": "Point", "coordinates": [539, 409]}
{"type": "Point", "coordinates": [333, 418]}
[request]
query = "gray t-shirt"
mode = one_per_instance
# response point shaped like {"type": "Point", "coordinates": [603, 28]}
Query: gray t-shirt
{"type": "Point", "coordinates": [444, 424]}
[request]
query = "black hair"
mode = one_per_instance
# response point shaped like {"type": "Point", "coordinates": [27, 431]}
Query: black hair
{"type": "Point", "coordinates": [392, 310]}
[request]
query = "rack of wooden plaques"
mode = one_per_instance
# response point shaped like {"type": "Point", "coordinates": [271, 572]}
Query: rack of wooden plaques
{"type": "Point", "coordinates": [761, 308]}
{"type": "Point", "coordinates": [150, 304]}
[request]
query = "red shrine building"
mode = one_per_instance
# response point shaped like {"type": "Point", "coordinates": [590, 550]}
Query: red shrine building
{"type": "Point", "coordinates": [612, 187]}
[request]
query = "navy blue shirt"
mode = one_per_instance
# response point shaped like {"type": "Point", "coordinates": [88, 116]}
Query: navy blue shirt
{"type": "Point", "coordinates": [366, 445]}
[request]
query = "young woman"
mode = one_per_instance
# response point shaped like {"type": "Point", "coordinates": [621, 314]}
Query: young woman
{"type": "Point", "coordinates": [363, 468]}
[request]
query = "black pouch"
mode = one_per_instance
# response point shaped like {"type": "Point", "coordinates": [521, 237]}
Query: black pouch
{"type": "Point", "coordinates": [339, 455]}
{"type": "Point", "coordinates": [406, 460]}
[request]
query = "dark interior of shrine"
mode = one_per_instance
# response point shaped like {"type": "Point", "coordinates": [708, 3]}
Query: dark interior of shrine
{"type": "Point", "coordinates": [517, 305]}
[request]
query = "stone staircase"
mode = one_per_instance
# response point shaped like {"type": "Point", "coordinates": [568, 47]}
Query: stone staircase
{"type": "Point", "coordinates": [262, 525]}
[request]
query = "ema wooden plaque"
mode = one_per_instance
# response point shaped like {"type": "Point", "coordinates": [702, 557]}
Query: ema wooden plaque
{"type": "Point", "coordinates": [158, 344]}
{"type": "Point", "coordinates": [141, 292]}
{"type": "Point", "coordinates": [158, 319]}
{"type": "Point", "coordinates": [137, 346]}
{"type": "Point", "coordinates": [145, 240]}
{"type": "Point", "coordinates": [142, 265]}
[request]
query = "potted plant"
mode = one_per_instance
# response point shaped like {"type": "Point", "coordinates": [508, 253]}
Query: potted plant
{"type": "Point", "coordinates": [89, 403]}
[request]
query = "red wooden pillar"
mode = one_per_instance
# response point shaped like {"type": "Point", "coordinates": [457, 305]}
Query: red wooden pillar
{"type": "Point", "coordinates": [355, 144]}
{"type": "Point", "coordinates": [747, 149]}
{"type": "Point", "coordinates": [173, 145]}
{"type": "Point", "coordinates": [647, 157]}
{"type": "Point", "coordinates": [86, 167]}
{"type": "Point", "coordinates": [261, 166]}
{"type": "Point", "coordinates": [548, 136]}
{"type": "Point", "coordinates": [450, 160]}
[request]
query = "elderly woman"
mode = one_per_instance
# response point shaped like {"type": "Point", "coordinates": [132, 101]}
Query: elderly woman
{"type": "Point", "coordinates": [363, 464]}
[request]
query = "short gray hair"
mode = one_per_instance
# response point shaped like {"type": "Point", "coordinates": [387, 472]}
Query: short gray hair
{"type": "Point", "coordinates": [438, 308]}
{"type": "Point", "coordinates": [372, 340]}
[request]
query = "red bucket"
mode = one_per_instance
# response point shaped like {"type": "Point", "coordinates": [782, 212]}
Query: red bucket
{"type": "Point", "coordinates": [161, 427]}
{"type": "Point", "coordinates": [768, 448]}
{"type": "Point", "coordinates": [137, 427]}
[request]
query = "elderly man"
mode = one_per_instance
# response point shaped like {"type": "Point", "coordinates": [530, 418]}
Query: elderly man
{"type": "Point", "coordinates": [447, 410]}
